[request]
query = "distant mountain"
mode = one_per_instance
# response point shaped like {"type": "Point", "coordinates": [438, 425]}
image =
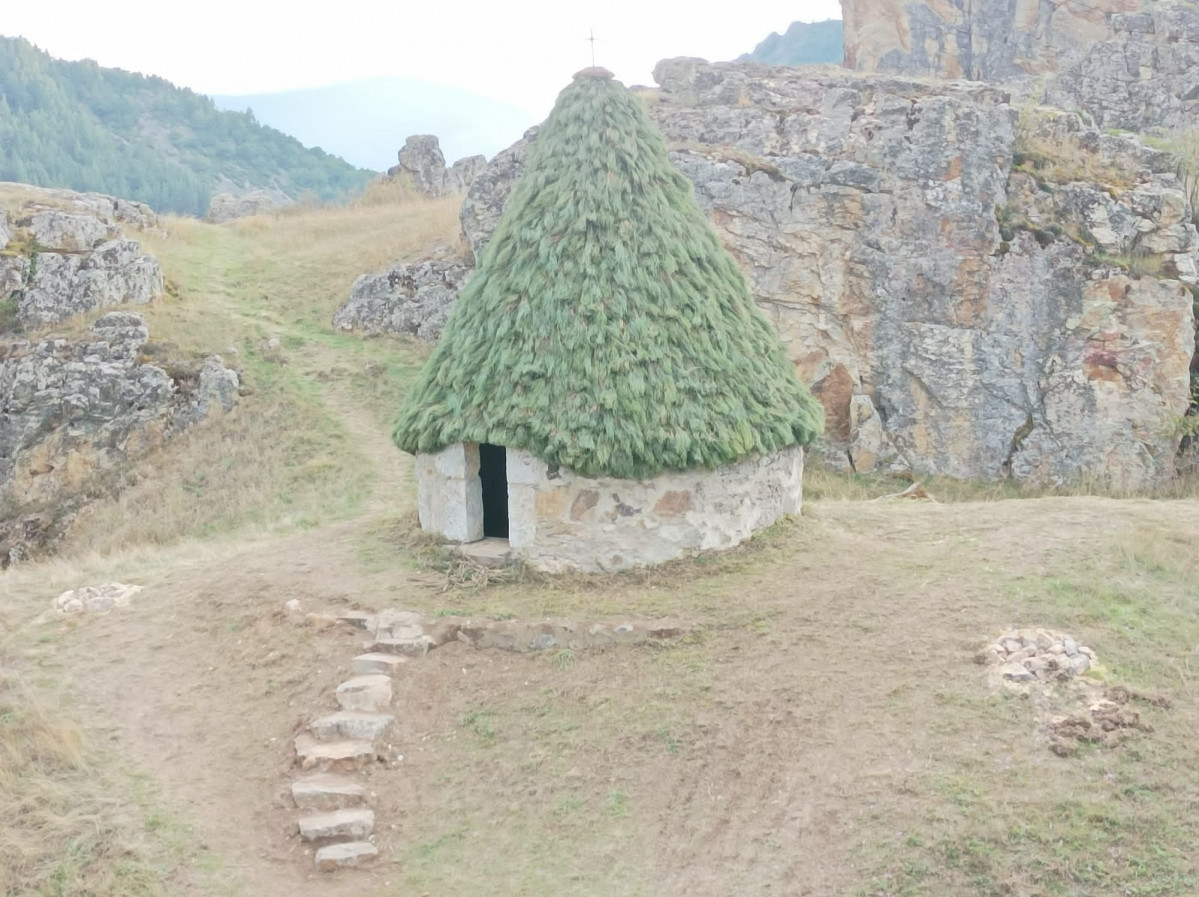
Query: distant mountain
{"type": "Point", "coordinates": [804, 43]}
{"type": "Point", "coordinates": [80, 126]}
{"type": "Point", "coordinates": [367, 121]}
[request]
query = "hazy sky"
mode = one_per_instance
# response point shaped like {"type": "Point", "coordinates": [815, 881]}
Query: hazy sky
{"type": "Point", "coordinates": [519, 51]}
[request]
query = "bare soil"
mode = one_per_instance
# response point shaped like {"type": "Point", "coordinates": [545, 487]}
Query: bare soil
{"type": "Point", "coordinates": [830, 688]}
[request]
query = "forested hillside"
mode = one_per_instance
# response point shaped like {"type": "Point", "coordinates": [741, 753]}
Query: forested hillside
{"type": "Point", "coordinates": [804, 43]}
{"type": "Point", "coordinates": [77, 125]}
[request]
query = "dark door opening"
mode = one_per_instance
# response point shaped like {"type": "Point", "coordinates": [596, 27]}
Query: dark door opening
{"type": "Point", "coordinates": [493, 472]}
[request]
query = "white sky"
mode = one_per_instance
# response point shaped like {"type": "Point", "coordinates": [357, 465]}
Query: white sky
{"type": "Point", "coordinates": [519, 51]}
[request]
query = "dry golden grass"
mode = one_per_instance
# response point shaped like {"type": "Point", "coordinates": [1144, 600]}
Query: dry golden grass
{"type": "Point", "coordinates": [67, 830]}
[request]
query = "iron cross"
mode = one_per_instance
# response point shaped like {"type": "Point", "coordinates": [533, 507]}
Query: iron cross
{"type": "Point", "coordinates": [591, 40]}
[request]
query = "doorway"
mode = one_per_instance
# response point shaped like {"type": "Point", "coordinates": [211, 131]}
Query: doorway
{"type": "Point", "coordinates": [493, 473]}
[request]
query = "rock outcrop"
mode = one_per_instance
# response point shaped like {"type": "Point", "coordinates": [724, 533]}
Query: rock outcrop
{"type": "Point", "coordinates": [1129, 64]}
{"type": "Point", "coordinates": [230, 206]}
{"type": "Point", "coordinates": [423, 163]}
{"type": "Point", "coordinates": [74, 409]}
{"type": "Point", "coordinates": [958, 313]}
{"type": "Point", "coordinates": [66, 254]}
{"type": "Point", "coordinates": [414, 299]}
{"type": "Point", "coordinates": [979, 41]}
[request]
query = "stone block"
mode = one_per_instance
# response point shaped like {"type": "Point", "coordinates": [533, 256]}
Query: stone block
{"type": "Point", "coordinates": [370, 693]}
{"type": "Point", "coordinates": [325, 791]}
{"type": "Point", "coordinates": [332, 857]}
{"type": "Point", "coordinates": [377, 663]}
{"type": "Point", "coordinates": [347, 755]}
{"type": "Point", "coordinates": [357, 822]}
{"type": "Point", "coordinates": [351, 724]}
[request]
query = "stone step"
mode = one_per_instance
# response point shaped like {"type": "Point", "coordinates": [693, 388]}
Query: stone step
{"type": "Point", "coordinates": [351, 853]}
{"type": "Point", "coordinates": [325, 791]}
{"type": "Point", "coordinates": [387, 664]}
{"type": "Point", "coordinates": [343, 756]}
{"type": "Point", "coordinates": [355, 823]}
{"type": "Point", "coordinates": [370, 693]}
{"type": "Point", "coordinates": [354, 724]}
{"type": "Point", "coordinates": [414, 646]}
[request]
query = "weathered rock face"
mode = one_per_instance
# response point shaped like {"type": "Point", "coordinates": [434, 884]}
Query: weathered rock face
{"type": "Point", "coordinates": [229, 206]}
{"type": "Point", "coordinates": [1144, 77]}
{"type": "Point", "coordinates": [1130, 64]}
{"type": "Point", "coordinates": [973, 39]}
{"type": "Point", "coordinates": [484, 201]}
{"type": "Point", "coordinates": [414, 299]}
{"type": "Point", "coordinates": [423, 163]}
{"type": "Point", "coordinates": [72, 409]}
{"type": "Point", "coordinates": [955, 315]}
{"type": "Point", "coordinates": [71, 257]}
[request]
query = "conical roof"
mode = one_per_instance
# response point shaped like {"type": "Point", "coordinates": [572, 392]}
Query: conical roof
{"type": "Point", "coordinates": [606, 329]}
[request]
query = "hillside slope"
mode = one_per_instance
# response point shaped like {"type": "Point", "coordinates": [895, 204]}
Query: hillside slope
{"type": "Point", "coordinates": [80, 126]}
{"type": "Point", "coordinates": [367, 121]}
{"type": "Point", "coordinates": [804, 43]}
{"type": "Point", "coordinates": [823, 730]}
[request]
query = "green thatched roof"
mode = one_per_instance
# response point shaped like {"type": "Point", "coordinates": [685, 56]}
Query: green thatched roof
{"type": "Point", "coordinates": [606, 329]}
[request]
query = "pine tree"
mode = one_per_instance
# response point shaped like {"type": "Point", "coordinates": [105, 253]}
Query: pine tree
{"type": "Point", "coordinates": [606, 329]}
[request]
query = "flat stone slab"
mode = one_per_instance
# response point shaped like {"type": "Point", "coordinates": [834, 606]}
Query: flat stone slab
{"type": "Point", "coordinates": [416, 646]}
{"type": "Point", "coordinates": [377, 663]}
{"type": "Point", "coordinates": [347, 755]}
{"type": "Point", "coordinates": [352, 724]}
{"type": "Point", "coordinates": [355, 823]}
{"type": "Point", "coordinates": [369, 693]}
{"type": "Point", "coordinates": [325, 791]}
{"type": "Point", "coordinates": [490, 552]}
{"type": "Point", "coordinates": [340, 856]}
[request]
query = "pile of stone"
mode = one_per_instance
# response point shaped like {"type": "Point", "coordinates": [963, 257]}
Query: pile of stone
{"type": "Point", "coordinates": [95, 599]}
{"type": "Point", "coordinates": [1040, 655]}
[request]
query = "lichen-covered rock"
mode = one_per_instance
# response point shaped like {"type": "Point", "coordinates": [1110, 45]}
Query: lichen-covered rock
{"type": "Point", "coordinates": [67, 255]}
{"type": "Point", "coordinates": [67, 232]}
{"type": "Point", "coordinates": [1142, 77]}
{"type": "Point", "coordinates": [228, 206]}
{"type": "Point", "coordinates": [71, 409]}
{"type": "Point", "coordinates": [422, 162]}
{"type": "Point", "coordinates": [109, 209]}
{"type": "Point", "coordinates": [413, 299]}
{"type": "Point", "coordinates": [484, 201]}
{"type": "Point", "coordinates": [978, 41]}
{"type": "Point", "coordinates": [63, 284]}
{"type": "Point", "coordinates": [956, 315]}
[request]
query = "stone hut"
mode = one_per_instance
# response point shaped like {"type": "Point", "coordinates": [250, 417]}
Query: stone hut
{"type": "Point", "coordinates": [606, 394]}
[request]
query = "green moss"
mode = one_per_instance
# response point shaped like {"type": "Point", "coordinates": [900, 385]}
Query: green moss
{"type": "Point", "coordinates": [607, 330]}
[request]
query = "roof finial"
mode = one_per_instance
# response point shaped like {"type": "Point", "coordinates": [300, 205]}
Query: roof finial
{"type": "Point", "coordinates": [591, 40]}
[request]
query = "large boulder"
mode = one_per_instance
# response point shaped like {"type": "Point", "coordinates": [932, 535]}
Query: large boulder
{"type": "Point", "coordinates": [413, 299]}
{"type": "Point", "coordinates": [957, 314]}
{"type": "Point", "coordinates": [423, 164]}
{"type": "Point", "coordinates": [230, 206]}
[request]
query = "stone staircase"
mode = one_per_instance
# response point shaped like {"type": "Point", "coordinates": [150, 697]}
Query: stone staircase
{"type": "Point", "coordinates": [335, 818]}
{"type": "Point", "coordinates": [338, 746]}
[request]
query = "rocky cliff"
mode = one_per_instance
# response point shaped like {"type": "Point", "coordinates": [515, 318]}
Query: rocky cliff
{"type": "Point", "coordinates": [973, 292]}
{"type": "Point", "coordinates": [1130, 64]}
